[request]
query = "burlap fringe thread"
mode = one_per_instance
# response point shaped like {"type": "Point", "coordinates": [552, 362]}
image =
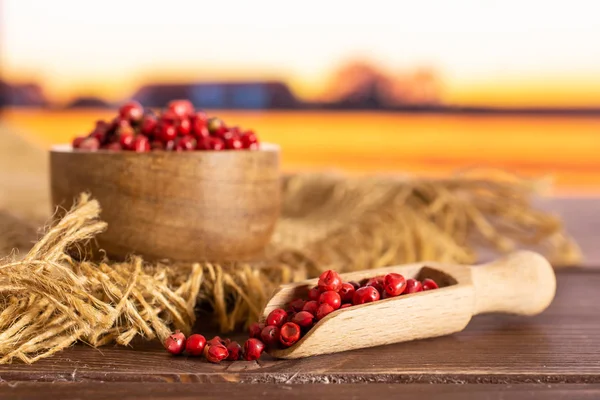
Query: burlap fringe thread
{"type": "Point", "coordinates": [50, 301]}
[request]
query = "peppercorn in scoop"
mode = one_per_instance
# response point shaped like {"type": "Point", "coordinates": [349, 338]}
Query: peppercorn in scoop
{"type": "Point", "coordinates": [283, 328]}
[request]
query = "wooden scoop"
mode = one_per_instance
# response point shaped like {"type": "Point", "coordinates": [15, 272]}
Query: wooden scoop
{"type": "Point", "coordinates": [522, 283]}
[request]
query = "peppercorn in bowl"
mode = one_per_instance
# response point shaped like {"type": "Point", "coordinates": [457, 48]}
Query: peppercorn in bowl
{"type": "Point", "coordinates": [173, 200]}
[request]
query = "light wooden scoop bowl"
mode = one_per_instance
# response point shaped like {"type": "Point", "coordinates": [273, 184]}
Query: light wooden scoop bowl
{"type": "Point", "coordinates": [522, 283]}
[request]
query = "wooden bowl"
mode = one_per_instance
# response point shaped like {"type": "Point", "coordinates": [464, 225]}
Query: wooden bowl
{"type": "Point", "coordinates": [187, 206]}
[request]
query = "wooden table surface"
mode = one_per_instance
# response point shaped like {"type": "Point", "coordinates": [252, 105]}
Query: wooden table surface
{"type": "Point", "coordinates": [555, 355]}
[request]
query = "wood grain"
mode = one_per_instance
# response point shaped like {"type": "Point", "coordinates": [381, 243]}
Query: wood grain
{"type": "Point", "coordinates": [504, 285]}
{"type": "Point", "coordinates": [189, 206]}
{"type": "Point", "coordinates": [561, 345]}
{"type": "Point", "coordinates": [127, 391]}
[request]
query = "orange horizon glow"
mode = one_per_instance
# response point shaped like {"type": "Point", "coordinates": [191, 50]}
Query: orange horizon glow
{"type": "Point", "coordinates": [403, 144]}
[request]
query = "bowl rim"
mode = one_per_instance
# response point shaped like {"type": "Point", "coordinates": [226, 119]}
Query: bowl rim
{"type": "Point", "coordinates": [68, 148]}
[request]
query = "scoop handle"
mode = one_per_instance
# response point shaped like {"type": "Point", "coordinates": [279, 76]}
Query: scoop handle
{"type": "Point", "coordinates": [521, 283]}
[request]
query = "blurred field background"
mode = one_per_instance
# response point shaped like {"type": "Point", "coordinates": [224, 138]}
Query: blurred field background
{"type": "Point", "coordinates": [421, 88]}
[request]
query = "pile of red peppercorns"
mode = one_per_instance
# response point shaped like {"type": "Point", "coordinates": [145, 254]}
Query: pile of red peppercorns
{"type": "Point", "coordinates": [283, 328]}
{"type": "Point", "coordinates": [178, 128]}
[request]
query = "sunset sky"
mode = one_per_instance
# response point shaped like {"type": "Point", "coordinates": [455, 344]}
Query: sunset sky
{"type": "Point", "coordinates": [502, 53]}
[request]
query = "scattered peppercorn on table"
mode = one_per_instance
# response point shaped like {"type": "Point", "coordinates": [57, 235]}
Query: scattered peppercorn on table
{"type": "Point", "coordinates": [553, 355]}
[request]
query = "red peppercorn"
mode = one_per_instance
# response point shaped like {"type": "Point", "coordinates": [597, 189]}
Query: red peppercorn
{"type": "Point", "coordinates": [233, 143]}
{"type": "Point", "coordinates": [166, 131]}
{"type": "Point", "coordinates": [181, 108]}
{"type": "Point", "coordinates": [148, 125]}
{"type": "Point", "coordinates": [227, 134]}
{"type": "Point", "coordinates": [270, 335]}
{"type": "Point", "coordinates": [169, 117]}
{"type": "Point", "coordinates": [254, 330]}
{"type": "Point", "coordinates": [222, 132]}
{"type": "Point", "coordinates": [249, 140]}
{"type": "Point", "coordinates": [311, 307]}
{"type": "Point", "coordinates": [199, 116]}
{"type": "Point", "coordinates": [429, 284]}
{"type": "Point", "coordinates": [126, 140]}
{"type": "Point", "coordinates": [394, 284]}
{"type": "Point", "coordinates": [323, 310]}
{"type": "Point", "coordinates": [203, 143]}
{"type": "Point", "coordinates": [346, 305]}
{"type": "Point", "coordinates": [210, 143]}
{"type": "Point", "coordinates": [186, 143]}
{"type": "Point", "coordinates": [77, 141]}
{"type": "Point", "coordinates": [289, 334]}
{"type": "Point", "coordinates": [216, 353]}
{"type": "Point", "coordinates": [235, 351]}
{"type": "Point", "coordinates": [377, 283]}
{"type": "Point", "coordinates": [330, 280]}
{"type": "Point", "coordinates": [99, 134]}
{"type": "Point", "coordinates": [175, 343]}
{"type": "Point", "coordinates": [253, 348]}
{"type": "Point", "coordinates": [132, 111]}
{"type": "Point", "coordinates": [314, 293]}
{"type": "Point", "coordinates": [199, 128]}
{"type": "Point", "coordinates": [366, 294]}
{"type": "Point", "coordinates": [276, 317]}
{"type": "Point", "coordinates": [297, 304]}
{"type": "Point", "coordinates": [332, 298]}
{"type": "Point", "coordinates": [141, 144]}
{"type": "Point", "coordinates": [303, 319]}
{"type": "Point", "coordinates": [413, 286]}
{"type": "Point", "coordinates": [184, 127]}
{"type": "Point", "coordinates": [90, 144]}
{"type": "Point", "coordinates": [347, 292]}
{"type": "Point", "coordinates": [194, 345]}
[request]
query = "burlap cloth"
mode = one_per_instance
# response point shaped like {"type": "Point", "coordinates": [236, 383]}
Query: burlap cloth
{"type": "Point", "coordinates": [50, 300]}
